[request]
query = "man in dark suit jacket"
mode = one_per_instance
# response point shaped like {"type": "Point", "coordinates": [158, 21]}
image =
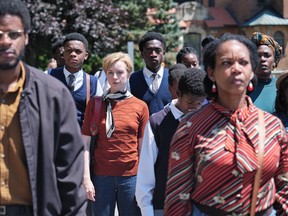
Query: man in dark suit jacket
{"type": "Point", "coordinates": [150, 84]}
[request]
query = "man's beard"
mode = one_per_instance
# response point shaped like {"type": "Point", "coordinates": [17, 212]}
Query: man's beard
{"type": "Point", "coordinates": [12, 64]}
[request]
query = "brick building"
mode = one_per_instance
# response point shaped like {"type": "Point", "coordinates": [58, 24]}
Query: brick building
{"type": "Point", "coordinates": [200, 18]}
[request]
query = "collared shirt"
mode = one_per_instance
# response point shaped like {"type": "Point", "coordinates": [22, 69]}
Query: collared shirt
{"type": "Point", "coordinates": [145, 177]}
{"type": "Point", "coordinates": [78, 78]}
{"type": "Point", "coordinates": [102, 78]}
{"type": "Point", "coordinates": [14, 180]}
{"type": "Point", "coordinates": [209, 166]}
{"type": "Point", "coordinates": [178, 114]}
{"type": "Point", "coordinates": [79, 81]}
{"type": "Point", "coordinates": [149, 79]}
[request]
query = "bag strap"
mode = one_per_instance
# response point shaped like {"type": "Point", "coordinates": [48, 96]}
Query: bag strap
{"type": "Point", "coordinates": [87, 88]}
{"type": "Point", "coordinates": [94, 126]}
{"type": "Point", "coordinates": [260, 160]}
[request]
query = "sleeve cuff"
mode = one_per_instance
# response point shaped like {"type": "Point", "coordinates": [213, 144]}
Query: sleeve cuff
{"type": "Point", "coordinates": [147, 211]}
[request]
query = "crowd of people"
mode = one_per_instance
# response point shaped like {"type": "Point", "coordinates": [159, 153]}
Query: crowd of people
{"type": "Point", "coordinates": [177, 141]}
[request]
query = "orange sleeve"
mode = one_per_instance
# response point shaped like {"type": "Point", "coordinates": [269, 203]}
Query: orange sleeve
{"type": "Point", "coordinates": [143, 121]}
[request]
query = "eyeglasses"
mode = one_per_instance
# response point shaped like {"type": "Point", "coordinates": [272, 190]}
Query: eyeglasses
{"type": "Point", "coordinates": [13, 35]}
{"type": "Point", "coordinates": [150, 50]}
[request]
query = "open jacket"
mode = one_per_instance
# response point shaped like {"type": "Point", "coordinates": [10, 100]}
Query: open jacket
{"type": "Point", "coordinates": [53, 146]}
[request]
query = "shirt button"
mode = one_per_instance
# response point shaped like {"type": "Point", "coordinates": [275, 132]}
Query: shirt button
{"type": "Point", "coordinates": [2, 127]}
{"type": "Point", "coordinates": [3, 183]}
{"type": "Point", "coordinates": [2, 155]}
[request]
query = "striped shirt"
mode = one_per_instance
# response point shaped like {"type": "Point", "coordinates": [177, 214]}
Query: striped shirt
{"type": "Point", "coordinates": [213, 161]}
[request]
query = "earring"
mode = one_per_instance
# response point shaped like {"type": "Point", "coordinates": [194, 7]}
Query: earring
{"type": "Point", "coordinates": [214, 89]}
{"type": "Point", "coordinates": [274, 66]}
{"type": "Point", "coordinates": [250, 87]}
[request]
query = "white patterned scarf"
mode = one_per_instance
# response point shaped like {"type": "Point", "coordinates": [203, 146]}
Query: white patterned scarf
{"type": "Point", "coordinates": [107, 96]}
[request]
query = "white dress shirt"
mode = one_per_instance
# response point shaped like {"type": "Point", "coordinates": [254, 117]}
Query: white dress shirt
{"type": "Point", "coordinates": [79, 81]}
{"type": "Point", "coordinates": [102, 78]}
{"type": "Point", "coordinates": [149, 79]}
{"type": "Point", "coordinates": [145, 183]}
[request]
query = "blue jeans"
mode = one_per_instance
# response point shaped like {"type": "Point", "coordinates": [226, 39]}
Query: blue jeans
{"type": "Point", "coordinates": [197, 212]}
{"type": "Point", "coordinates": [115, 189]}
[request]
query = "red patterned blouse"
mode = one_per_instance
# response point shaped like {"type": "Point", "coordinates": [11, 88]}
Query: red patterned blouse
{"type": "Point", "coordinates": [213, 161]}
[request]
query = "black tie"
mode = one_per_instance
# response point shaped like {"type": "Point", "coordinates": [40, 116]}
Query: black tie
{"type": "Point", "coordinates": [71, 80]}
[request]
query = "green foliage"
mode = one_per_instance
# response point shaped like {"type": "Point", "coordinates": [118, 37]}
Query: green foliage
{"type": "Point", "coordinates": [100, 21]}
{"type": "Point", "coordinates": [168, 23]}
{"type": "Point", "coordinates": [108, 26]}
{"type": "Point", "coordinates": [93, 64]}
{"type": "Point", "coordinates": [165, 23]}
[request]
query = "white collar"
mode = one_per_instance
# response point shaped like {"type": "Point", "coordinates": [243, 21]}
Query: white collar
{"type": "Point", "coordinates": [77, 74]}
{"type": "Point", "coordinates": [175, 111]}
{"type": "Point", "coordinates": [148, 73]}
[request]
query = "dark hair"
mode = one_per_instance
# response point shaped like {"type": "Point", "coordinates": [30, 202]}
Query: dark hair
{"type": "Point", "coordinates": [192, 82]}
{"type": "Point", "coordinates": [16, 8]}
{"type": "Point", "coordinates": [76, 36]}
{"type": "Point", "coordinates": [207, 40]}
{"type": "Point", "coordinates": [56, 45]}
{"type": "Point", "coordinates": [151, 36]}
{"type": "Point", "coordinates": [210, 52]}
{"type": "Point", "coordinates": [259, 39]}
{"type": "Point", "coordinates": [185, 51]}
{"type": "Point", "coordinates": [281, 105]}
{"type": "Point", "coordinates": [175, 72]}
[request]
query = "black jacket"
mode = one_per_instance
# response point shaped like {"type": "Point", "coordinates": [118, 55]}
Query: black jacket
{"type": "Point", "coordinates": [53, 146]}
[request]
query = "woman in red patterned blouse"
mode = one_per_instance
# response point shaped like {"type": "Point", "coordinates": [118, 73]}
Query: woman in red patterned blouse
{"type": "Point", "coordinates": [213, 154]}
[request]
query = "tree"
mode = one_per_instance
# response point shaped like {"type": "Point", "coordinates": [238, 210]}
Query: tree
{"type": "Point", "coordinates": [166, 22]}
{"type": "Point", "coordinates": [152, 15]}
{"type": "Point", "coordinates": [99, 21]}
{"type": "Point", "coordinates": [107, 25]}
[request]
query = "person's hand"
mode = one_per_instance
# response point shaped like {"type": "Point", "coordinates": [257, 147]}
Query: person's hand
{"type": "Point", "coordinates": [89, 188]}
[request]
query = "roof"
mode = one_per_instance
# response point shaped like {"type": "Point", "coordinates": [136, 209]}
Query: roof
{"type": "Point", "coordinates": [220, 18]}
{"type": "Point", "coordinates": [266, 17]}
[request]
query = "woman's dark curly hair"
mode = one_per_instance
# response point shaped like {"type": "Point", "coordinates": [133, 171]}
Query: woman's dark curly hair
{"type": "Point", "coordinates": [185, 51]}
{"type": "Point", "coordinates": [211, 50]}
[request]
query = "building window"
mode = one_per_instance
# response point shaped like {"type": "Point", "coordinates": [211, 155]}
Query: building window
{"type": "Point", "coordinates": [279, 37]}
